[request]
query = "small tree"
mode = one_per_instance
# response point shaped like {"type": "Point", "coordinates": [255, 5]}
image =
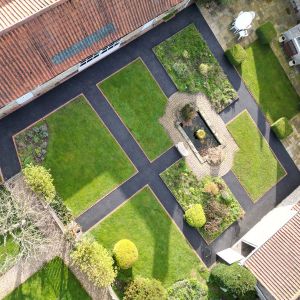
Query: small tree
{"type": "Point", "coordinates": [145, 289]}
{"type": "Point", "coordinates": [95, 261]}
{"type": "Point", "coordinates": [195, 216]}
{"type": "Point", "coordinates": [26, 223]}
{"type": "Point", "coordinates": [237, 281]}
{"type": "Point", "coordinates": [40, 181]}
{"type": "Point", "coordinates": [125, 253]}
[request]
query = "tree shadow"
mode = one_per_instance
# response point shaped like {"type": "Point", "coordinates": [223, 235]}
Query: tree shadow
{"type": "Point", "coordinates": [159, 225]}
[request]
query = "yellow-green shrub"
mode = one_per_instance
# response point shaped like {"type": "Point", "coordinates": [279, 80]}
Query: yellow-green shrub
{"type": "Point", "coordinates": [40, 181]}
{"type": "Point", "coordinates": [195, 216]}
{"type": "Point", "coordinates": [125, 253]}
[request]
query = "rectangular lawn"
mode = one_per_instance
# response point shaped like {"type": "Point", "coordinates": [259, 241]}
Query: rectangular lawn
{"type": "Point", "coordinates": [54, 281]}
{"type": "Point", "coordinates": [255, 165]}
{"type": "Point", "coordinates": [193, 68]}
{"type": "Point", "coordinates": [138, 99]}
{"type": "Point", "coordinates": [268, 83]}
{"type": "Point", "coordinates": [85, 160]}
{"type": "Point", "coordinates": [164, 253]}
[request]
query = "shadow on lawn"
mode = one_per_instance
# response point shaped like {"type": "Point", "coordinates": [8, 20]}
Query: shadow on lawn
{"type": "Point", "coordinates": [160, 230]}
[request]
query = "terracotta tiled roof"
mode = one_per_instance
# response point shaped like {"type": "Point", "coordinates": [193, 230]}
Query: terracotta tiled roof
{"type": "Point", "coordinates": [32, 53]}
{"type": "Point", "coordinates": [276, 264]}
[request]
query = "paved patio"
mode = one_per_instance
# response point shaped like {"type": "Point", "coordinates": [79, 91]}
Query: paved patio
{"type": "Point", "coordinates": [200, 169]}
{"type": "Point", "coordinates": [85, 83]}
{"type": "Point", "coordinates": [292, 142]}
{"type": "Point", "coordinates": [279, 12]}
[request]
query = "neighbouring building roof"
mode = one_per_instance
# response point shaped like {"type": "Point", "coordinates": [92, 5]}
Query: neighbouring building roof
{"type": "Point", "coordinates": [276, 264]}
{"type": "Point", "coordinates": [13, 12]}
{"type": "Point", "coordinates": [53, 41]}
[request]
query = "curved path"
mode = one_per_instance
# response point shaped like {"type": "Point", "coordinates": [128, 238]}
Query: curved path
{"type": "Point", "coordinates": [148, 172]}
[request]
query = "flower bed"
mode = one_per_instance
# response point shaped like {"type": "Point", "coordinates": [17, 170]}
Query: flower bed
{"type": "Point", "coordinates": [193, 68]}
{"type": "Point", "coordinates": [220, 206]}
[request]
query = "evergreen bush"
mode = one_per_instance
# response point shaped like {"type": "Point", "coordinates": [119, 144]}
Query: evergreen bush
{"type": "Point", "coordinates": [125, 253]}
{"type": "Point", "coordinates": [195, 216]}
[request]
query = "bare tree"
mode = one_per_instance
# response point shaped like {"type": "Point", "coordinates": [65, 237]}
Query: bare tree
{"type": "Point", "coordinates": [26, 222]}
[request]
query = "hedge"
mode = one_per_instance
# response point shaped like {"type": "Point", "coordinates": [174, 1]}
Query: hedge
{"type": "Point", "coordinates": [195, 216]}
{"type": "Point", "coordinates": [236, 54]}
{"type": "Point", "coordinates": [234, 281]}
{"type": "Point", "coordinates": [125, 253]}
{"type": "Point", "coordinates": [266, 33]}
{"type": "Point", "coordinates": [282, 128]}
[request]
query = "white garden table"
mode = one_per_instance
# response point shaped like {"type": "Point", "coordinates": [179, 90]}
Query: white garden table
{"type": "Point", "coordinates": [244, 20]}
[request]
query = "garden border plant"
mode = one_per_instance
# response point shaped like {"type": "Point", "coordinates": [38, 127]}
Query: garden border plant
{"type": "Point", "coordinates": [145, 148]}
{"type": "Point", "coordinates": [268, 147]}
{"type": "Point", "coordinates": [113, 141]}
{"type": "Point", "coordinates": [182, 61]}
{"type": "Point", "coordinates": [224, 198]}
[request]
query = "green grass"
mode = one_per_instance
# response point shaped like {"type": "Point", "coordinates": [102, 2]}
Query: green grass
{"type": "Point", "coordinates": [181, 56]}
{"type": "Point", "coordinates": [268, 82]}
{"type": "Point", "coordinates": [138, 99]}
{"type": "Point", "coordinates": [85, 160]}
{"type": "Point", "coordinates": [163, 252]}
{"type": "Point", "coordinates": [54, 281]}
{"type": "Point", "coordinates": [254, 164]}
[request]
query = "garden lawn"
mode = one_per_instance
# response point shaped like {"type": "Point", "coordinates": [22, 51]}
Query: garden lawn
{"type": "Point", "coordinates": [193, 68]}
{"type": "Point", "coordinates": [54, 281]}
{"type": "Point", "coordinates": [269, 84]}
{"type": "Point", "coordinates": [163, 251]}
{"type": "Point", "coordinates": [255, 165]}
{"type": "Point", "coordinates": [140, 102]}
{"type": "Point", "coordinates": [221, 209]}
{"type": "Point", "coordinates": [83, 157]}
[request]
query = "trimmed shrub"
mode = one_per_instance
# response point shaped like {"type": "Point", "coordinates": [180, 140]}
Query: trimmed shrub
{"type": "Point", "coordinates": [236, 54]}
{"type": "Point", "coordinates": [266, 33]}
{"type": "Point", "coordinates": [95, 261]}
{"type": "Point", "coordinates": [125, 253]}
{"type": "Point", "coordinates": [190, 289]}
{"type": "Point", "coordinates": [195, 216]}
{"type": "Point", "coordinates": [40, 181]}
{"type": "Point", "coordinates": [234, 281]}
{"type": "Point", "coordinates": [145, 289]}
{"type": "Point", "coordinates": [282, 128]}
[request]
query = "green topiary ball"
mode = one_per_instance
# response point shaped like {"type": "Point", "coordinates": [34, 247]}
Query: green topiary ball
{"type": "Point", "coordinates": [282, 128]}
{"type": "Point", "coordinates": [235, 281]}
{"type": "Point", "coordinates": [195, 216]}
{"type": "Point", "coordinates": [125, 253]}
{"type": "Point", "coordinates": [236, 54]}
{"type": "Point", "coordinates": [266, 33]}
